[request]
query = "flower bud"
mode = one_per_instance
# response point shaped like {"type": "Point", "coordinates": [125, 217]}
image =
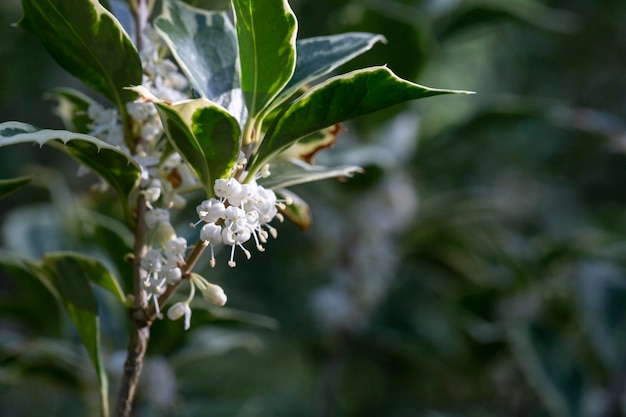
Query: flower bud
{"type": "Point", "coordinates": [179, 310]}
{"type": "Point", "coordinates": [214, 294]}
{"type": "Point", "coordinates": [165, 232]}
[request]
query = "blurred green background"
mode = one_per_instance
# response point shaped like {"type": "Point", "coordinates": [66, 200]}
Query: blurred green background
{"type": "Point", "coordinates": [477, 268]}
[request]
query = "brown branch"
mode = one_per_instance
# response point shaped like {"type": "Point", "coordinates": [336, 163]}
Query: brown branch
{"type": "Point", "coordinates": [140, 332]}
{"type": "Point", "coordinates": [143, 315]}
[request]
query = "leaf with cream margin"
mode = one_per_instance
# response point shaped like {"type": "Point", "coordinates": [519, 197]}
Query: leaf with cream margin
{"type": "Point", "coordinates": [117, 168]}
{"type": "Point", "coordinates": [340, 98]}
{"type": "Point", "coordinates": [72, 107]}
{"type": "Point", "coordinates": [266, 33]}
{"type": "Point", "coordinates": [88, 42]}
{"type": "Point", "coordinates": [204, 134]}
{"type": "Point", "coordinates": [319, 56]}
{"type": "Point", "coordinates": [204, 44]}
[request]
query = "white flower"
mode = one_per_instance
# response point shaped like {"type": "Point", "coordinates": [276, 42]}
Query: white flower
{"type": "Point", "coordinates": [156, 216]}
{"type": "Point", "coordinates": [174, 250]}
{"type": "Point", "coordinates": [212, 234]}
{"type": "Point", "coordinates": [105, 124]}
{"type": "Point", "coordinates": [229, 189]}
{"type": "Point", "coordinates": [171, 275]}
{"type": "Point", "coordinates": [235, 219]}
{"type": "Point", "coordinates": [152, 262]}
{"type": "Point", "coordinates": [212, 293]}
{"type": "Point", "coordinates": [179, 310]}
{"type": "Point", "coordinates": [153, 192]}
{"type": "Point", "coordinates": [211, 210]}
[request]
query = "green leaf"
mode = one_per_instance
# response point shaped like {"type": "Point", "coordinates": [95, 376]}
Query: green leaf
{"type": "Point", "coordinates": [203, 133]}
{"type": "Point", "coordinates": [88, 42]}
{"type": "Point", "coordinates": [321, 55]}
{"type": "Point", "coordinates": [68, 275]}
{"type": "Point", "coordinates": [287, 173]}
{"type": "Point", "coordinates": [72, 108]}
{"type": "Point", "coordinates": [9, 186]}
{"type": "Point", "coordinates": [205, 46]}
{"type": "Point", "coordinates": [90, 268]}
{"type": "Point", "coordinates": [27, 290]}
{"type": "Point", "coordinates": [267, 36]}
{"type": "Point", "coordinates": [114, 166]}
{"type": "Point", "coordinates": [340, 98]}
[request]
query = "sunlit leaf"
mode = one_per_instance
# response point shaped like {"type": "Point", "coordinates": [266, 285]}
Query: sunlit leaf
{"type": "Point", "coordinates": [204, 134]}
{"type": "Point", "coordinates": [7, 187]}
{"type": "Point", "coordinates": [114, 166]}
{"type": "Point", "coordinates": [266, 33]}
{"type": "Point", "coordinates": [205, 46]}
{"type": "Point", "coordinates": [319, 56]}
{"type": "Point", "coordinates": [340, 98]}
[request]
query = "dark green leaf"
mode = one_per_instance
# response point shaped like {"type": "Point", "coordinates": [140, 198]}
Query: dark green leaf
{"type": "Point", "coordinates": [205, 46]}
{"type": "Point", "coordinates": [340, 98]}
{"type": "Point", "coordinates": [267, 36]}
{"type": "Point", "coordinates": [69, 276]}
{"type": "Point", "coordinates": [203, 133]}
{"type": "Point", "coordinates": [89, 268]}
{"type": "Point", "coordinates": [25, 291]}
{"type": "Point", "coordinates": [88, 42]}
{"type": "Point", "coordinates": [9, 186]}
{"type": "Point", "coordinates": [114, 166]}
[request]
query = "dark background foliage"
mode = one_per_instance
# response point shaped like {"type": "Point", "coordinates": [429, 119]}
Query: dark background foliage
{"type": "Point", "coordinates": [475, 269]}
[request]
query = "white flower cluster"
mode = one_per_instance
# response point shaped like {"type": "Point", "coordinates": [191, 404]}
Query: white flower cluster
{"type": "Point", "coordinates": [160, 179]}
{"type": "Point", "coordinates": [162, 266]}
{"type": "Point", "coordinates": [238, 213]}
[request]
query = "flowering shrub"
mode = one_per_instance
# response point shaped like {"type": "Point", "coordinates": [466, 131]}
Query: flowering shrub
{"type": "Point", "coordinates": [227, 103]}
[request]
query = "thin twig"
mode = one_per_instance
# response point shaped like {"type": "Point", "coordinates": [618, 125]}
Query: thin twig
{"type": "Point", "coordinates": [140, 331]}
{"type": "Point", "coordinates": [140, 325]}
